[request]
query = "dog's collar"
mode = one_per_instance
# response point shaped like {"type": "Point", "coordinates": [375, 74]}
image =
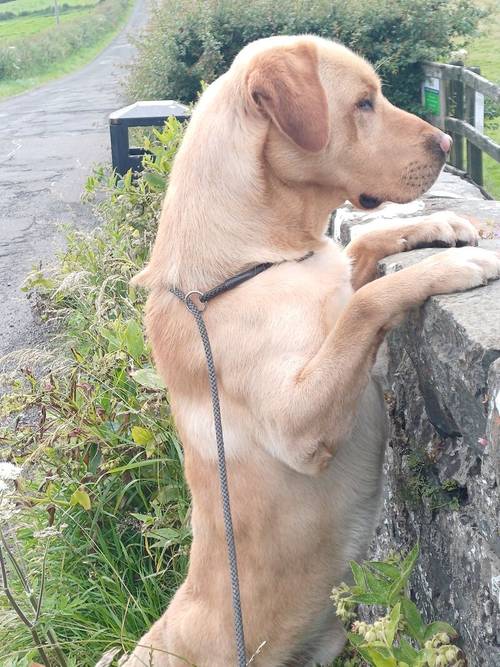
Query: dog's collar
{"type": "Point", "coordinates": [240, 278]}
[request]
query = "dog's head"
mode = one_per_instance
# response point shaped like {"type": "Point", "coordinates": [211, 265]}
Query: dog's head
{"type": "Point", "coordinates": [331, 126]}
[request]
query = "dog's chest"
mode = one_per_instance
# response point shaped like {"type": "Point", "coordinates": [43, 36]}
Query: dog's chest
{"type": "Point", "coordinates": [263, 334]}
{"type": "Point", "coordinates": [312, 294]}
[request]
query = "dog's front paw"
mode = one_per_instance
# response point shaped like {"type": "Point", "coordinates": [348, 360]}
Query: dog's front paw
{"type": "Point", "coordinates": [444, 229]}
{"type": "Point", "coordinates": [459, 269]}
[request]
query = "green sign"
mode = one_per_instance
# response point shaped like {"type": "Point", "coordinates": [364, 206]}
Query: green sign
{"type": "Point", "coordinates": [431, 101]}
{"type": "Point", "coordinates": [431, 89]}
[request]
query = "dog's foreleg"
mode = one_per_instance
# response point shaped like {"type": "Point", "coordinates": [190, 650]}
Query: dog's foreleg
{"type": "Point", "coordinates": [445, 229]}
{"type": "Point", "coordinates": [325, 394]}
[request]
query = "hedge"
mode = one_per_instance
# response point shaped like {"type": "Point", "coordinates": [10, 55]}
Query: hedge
{"type": "Point", "coordinates": [189, 41]}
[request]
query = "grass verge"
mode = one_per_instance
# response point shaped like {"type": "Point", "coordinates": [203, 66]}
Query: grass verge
{"type": "Point", "coordinates": [59, 51]}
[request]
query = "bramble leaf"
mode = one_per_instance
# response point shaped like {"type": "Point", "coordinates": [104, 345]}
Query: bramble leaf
{"type": "Point", "coordinates": [413, 618]}
{"type": "Point", "coordinates": [155, 181]}
{"type": "Point", "coordinates": [80, 497]}
{"type": "Point", "coordinates": [141, 436]}
{"type": "Point", "coordinates": [392, 626]}
{"type": "Point", "coordinates": [134, 339]}
{"type": "Point", "coordinates": [405, 652]}
{"type": "Point", "coordinates": [406, 569]}
{"type": "Point", "coordinates": [378, 657]}
{"type": "Point", "coordinates": [149, 378]}
{"type": "Point", "coordinates": [358, 574]}
{"type": "Point", "coordinates": [439, 626]}
{"type": "Point", "coordinates": [387, 570]}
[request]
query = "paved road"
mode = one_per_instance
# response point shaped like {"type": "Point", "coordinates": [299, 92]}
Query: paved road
{"type": "Point", "coordinates": [49, 140]}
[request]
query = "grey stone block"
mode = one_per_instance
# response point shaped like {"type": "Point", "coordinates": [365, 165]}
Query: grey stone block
{"type": "Point", "coordinates": [443, 460]}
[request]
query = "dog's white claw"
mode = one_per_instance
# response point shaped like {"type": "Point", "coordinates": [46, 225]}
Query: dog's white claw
{"type": "Point", "coordinates": [486, 260]}
{"type": "Point", "coordinates": [447, 228]}
{"type": "Point", "coordinates": [465, 232]}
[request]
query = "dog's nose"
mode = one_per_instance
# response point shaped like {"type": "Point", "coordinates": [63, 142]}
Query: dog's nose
{"type": "Point", "coordinates": [445, 142]}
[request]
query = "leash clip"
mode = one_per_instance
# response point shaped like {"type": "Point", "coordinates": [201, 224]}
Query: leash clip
{"type": "Point", "coordinates": [202, 304]}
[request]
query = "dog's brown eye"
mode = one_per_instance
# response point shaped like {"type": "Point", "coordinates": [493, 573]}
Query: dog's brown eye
{"type": "Point", "coordinates": [365, 105]}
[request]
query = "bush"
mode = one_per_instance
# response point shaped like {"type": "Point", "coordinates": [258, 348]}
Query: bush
{"type": "Point", "coordinates": [192, 40]}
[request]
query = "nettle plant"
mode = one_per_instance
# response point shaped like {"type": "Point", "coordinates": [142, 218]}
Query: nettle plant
{"type": "Point", "coordinates": [399, 637]}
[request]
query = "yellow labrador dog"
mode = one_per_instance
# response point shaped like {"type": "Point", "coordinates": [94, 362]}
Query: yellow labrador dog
{"type": "Point", "coordinates": [293, 129]}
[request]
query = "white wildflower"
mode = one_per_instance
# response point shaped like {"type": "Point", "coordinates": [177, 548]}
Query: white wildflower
{"type": "Point", "coordinates": [72, 282]}
{"type": "Point", "coordinates": [374, 632]}
{"type": "Point", "coordinates": [50, 531]}
{"type": "Point", "coordinates": [7, 509]}
{"type": "Point", "coordinates": [9, 471]}
{"type": "Point", "coordinates": [3, 487]}
{"type": "Point", "coordinates": [341, 596]}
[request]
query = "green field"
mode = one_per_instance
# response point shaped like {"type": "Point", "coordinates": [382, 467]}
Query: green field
{"type": "Point", "coordinates": [485, 52]}
{"type": "Point", "coordinates": [35, 49]}
{"type": "Point", "coordinates": [18, 28]}
{"type": "Point", "coordinates": [18, 6]}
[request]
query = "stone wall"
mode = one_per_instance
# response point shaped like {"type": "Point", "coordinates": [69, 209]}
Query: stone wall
{"type": "Point", "coordinates": [442, 463]}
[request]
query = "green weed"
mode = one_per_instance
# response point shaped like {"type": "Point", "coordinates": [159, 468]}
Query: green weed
{"type": "Point", "coordinates": [399, 637]}
{"type": "Point", "coordinates": [423, 485]}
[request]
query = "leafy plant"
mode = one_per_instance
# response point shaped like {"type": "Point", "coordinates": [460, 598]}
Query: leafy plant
{"type": "Point", "coordinates": [399, 638]}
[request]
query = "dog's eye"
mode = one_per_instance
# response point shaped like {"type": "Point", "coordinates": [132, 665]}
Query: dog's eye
{"type": "Point", "coordinates": [365, 105]}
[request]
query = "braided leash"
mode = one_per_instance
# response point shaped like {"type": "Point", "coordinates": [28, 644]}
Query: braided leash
{"type": "Point", "coordinates": [204, 297]}
{"type": "Point", "coordinates": [224, 488]}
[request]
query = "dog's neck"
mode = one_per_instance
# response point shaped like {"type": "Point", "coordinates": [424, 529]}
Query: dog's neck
{"type": "Point", "coordinates": [225, 209]}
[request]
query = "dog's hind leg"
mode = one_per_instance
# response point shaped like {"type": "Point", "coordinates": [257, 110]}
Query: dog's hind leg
{"type": "Point", "coordinates": [330, 646]}
{"type": "Point", "coordinates": [151, 650]}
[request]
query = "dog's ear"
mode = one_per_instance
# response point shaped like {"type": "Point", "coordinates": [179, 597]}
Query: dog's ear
{"type": "Point", "coordinates": [284, 83]}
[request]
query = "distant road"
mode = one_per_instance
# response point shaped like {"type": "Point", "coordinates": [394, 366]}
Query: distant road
{"type": "Point", "coordinates": [49, 140]}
